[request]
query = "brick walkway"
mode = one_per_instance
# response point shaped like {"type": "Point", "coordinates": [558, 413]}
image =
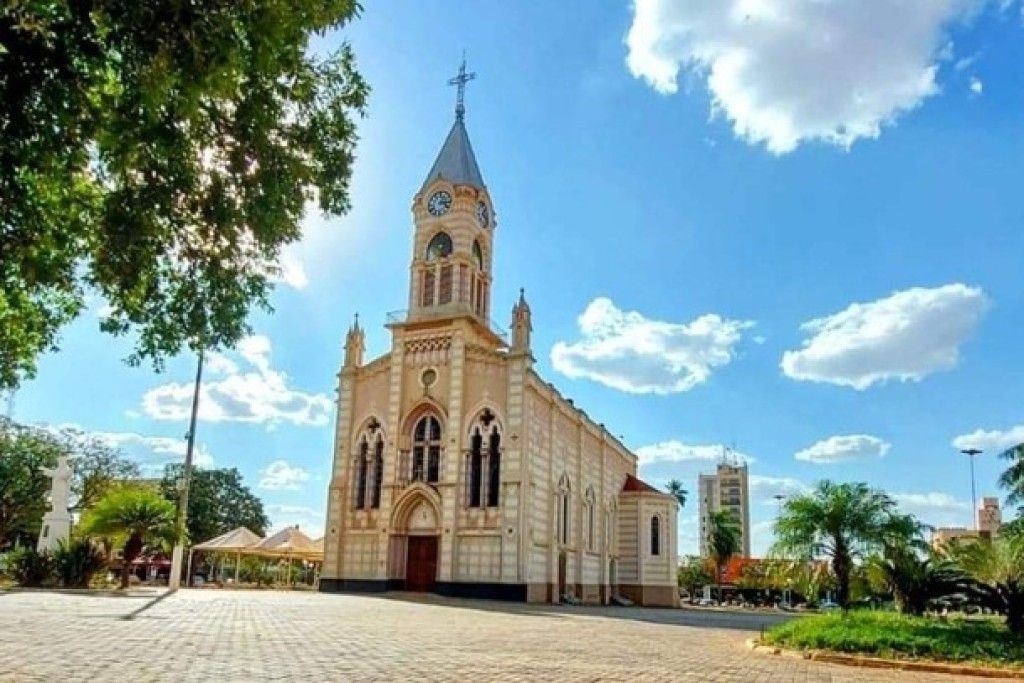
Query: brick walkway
{"type": "Point", "coordinates": [235, 636]}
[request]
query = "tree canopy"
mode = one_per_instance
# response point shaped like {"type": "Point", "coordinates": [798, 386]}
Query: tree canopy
{"type": "Point", "coordinates": [723, 539]}
{"type": "Point", "coordinates": [842, 522]}
{"type": "Point", "coordinates": [160, 154]}
{"type": "Point", "coordinates": [218, 501]}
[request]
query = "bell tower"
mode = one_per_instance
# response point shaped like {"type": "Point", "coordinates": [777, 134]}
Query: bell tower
{"type": "Point", "coordinates": [454, 223]}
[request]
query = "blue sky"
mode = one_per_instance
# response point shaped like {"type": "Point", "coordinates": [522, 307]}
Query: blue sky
{"type": "Point", "coordinates": [681, 188]}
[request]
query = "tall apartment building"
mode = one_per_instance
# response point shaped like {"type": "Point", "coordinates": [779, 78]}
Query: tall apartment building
{"type": "Point", "coordinates": [726, 489]}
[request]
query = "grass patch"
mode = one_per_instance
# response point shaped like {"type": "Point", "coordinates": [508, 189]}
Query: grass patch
{"type": "Point", "coordinates": [895, 636]}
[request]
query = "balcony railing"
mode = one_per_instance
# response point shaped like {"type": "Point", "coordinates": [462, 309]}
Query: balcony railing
{"type": "Point", "coordinates": [402, 316]}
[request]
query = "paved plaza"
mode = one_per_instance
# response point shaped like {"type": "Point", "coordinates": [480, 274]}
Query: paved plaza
{"type": "Point", "coordinates": [216, 635]}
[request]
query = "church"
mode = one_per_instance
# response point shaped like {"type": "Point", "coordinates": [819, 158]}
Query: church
{"type": "Point", "coordinates": [457, 469]}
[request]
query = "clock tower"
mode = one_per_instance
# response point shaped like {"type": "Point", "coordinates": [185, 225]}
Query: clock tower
{"type": "Point", "coordinates": [454, 223]}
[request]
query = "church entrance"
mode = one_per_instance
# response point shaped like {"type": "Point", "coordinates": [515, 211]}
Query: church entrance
{"type": "Point", "coordinates": [421, 564]}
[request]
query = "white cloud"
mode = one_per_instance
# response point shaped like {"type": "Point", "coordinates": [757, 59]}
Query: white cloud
{"type": "Point", "coordinates": [290, 272]}
{"type": "Point", "coordinates": [991, 440]}
{"type": "Point", "coordinates": [258, 394]}
{"type": "Point", "coordinates": [677, 451]}
{"type": "Point", "coordinates": [845, 448]}
{"type": "Point", "coordinates": [977, 87]}
{"type": "Point", "coordinates": [280, 475]}
{"type": "Point", "coordinates": [935, 508]}
{"type": "Point", "coordinates": [765, 488]}
{"type": "Point", "coordinates": [626, 351]}
{"type": "Point", "coordinates": [905, 336]}
{"type": "Point", "coordinates": [151, 453]}
{"type": "Point", "coordinates": [787, 71]}
{"type": "Point", "coordinates": [310, 521]}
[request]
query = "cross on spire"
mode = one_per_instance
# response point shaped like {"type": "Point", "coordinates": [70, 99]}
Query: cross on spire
{"type": "Point", "coordinates": [460, 81]}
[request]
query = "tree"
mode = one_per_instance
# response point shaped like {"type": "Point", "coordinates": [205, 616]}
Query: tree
{"type": "Point", "coordinates": [841, 522]}
{"type": "Point", "coordinates": [97, 467]}
{"type": "Point", "coordinates": [136, 516]}
{"type": "Point", "coordinates": [218, 502]}
{"type": "Point", "coordinates": [915, 581]}
{"type": "Point", "coordinates": [692, 574]}
{"type": "Point", "coordinates": [997, 566]}
{"type": "Point", "coordinates": [1012, 477]}
{"type": "Point", "coordinates": [676, 490]}
{"type": "Point", "coordinates": [161, 154]}
{"type": "Point", "coordinates": [24, 453]}
{"type": "Point", "coordinates": [724, 541]}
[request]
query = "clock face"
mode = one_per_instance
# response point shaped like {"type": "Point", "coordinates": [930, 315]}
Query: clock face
{"type": "Point", "coordinates": [481, 214]}
{"type": "Point", "coordinates": [439, 203]}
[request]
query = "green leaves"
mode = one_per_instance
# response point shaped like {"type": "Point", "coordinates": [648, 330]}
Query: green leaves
{"type": "Point", "coordinates": [131, 511]}
{"type": "Point", "coordinates": [218, 502]}
{"type": "Point", "coordinates": [162, 154]}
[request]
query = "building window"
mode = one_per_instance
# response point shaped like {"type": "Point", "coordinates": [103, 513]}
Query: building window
{"type": "Point", "coordinates": [440, 246]}
{"type": "Point", "coordinates": [426, 450]}
{"type": "Point", "coordinates": [378, 472]}
{"type": "Point", "coordinates": [444, 290]}
{"type": "Point", "coordinates": [427, 295]}
{"type": "Point", "coordinates": [591, 535]}
{"type": "Point", "coordinates": [359, 483]}
{"type": "Point", "coordinates": [476, 465]}
{"type": "Point", "coordinates": [564, 492]}
{"type": "Point", "coordinates": [494, 468]}
{"type": "Point", "coordinates": [463, 283]}
{"type": "Point", "coordinates": [655, 535]}
{"type": "Point", "coordinates": [478, 255]}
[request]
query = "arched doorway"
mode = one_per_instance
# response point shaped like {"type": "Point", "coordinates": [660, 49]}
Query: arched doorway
{"type": "Point", "coordinates": [415, 538]}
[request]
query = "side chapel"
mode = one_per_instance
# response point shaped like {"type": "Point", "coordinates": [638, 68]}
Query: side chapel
{"type": "Point", "coordinates": [457, 468]}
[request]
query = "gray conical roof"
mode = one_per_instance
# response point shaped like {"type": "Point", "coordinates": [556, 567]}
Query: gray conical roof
{"type": "Point", "coordinates": [456, 162]}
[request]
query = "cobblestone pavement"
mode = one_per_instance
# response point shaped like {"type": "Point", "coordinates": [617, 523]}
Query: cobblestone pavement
{"type": "Point", "coordinates": [263, 635]}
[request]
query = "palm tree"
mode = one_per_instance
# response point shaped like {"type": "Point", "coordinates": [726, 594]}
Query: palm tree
{"type": "Point", "coordinates": [137, 516]}
{"type": "Point", "coordinates": [997, 566]}
{"type": "Point", "coordinates": [1012, 478]}
{"type": "Point", "coordinates": [676, 490]}
{"type": "Point", "coordinates": [724, 541]}
{"type": "Point", "coordinates": [914, 580]}
{"type": "Point", "coordinates": [841, 522]}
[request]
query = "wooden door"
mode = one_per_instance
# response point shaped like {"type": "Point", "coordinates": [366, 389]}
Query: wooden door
{"type": "Point", "coordinates": [421, 564]}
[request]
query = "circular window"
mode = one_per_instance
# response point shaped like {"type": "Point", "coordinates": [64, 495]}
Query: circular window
{"type": "Point", "coordinates": [428, 377]}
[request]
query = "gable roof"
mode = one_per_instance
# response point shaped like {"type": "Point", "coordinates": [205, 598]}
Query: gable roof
{"type": "Point", "coordinates": [456, 162]}
{"type": "Point", "coordinates": [639, 486]}
{"type": "Point", "coordinates": [236, 539]}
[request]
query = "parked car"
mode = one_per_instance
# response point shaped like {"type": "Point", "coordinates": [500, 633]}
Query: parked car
{"type": "Point", "coordinates": [827, 606]}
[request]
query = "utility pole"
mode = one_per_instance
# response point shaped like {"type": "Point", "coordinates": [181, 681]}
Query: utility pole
{"type": "Point", "coordinates": [971, 453]}
{"type": "Point", "coordinates": [181, 524]}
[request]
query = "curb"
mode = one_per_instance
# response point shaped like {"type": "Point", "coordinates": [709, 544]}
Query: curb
{"type": "Point", "coordinates": [867, 662]}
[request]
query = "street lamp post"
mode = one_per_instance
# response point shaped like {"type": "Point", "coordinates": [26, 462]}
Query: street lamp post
{"type": "Point", "coordinates": [971, 453]}
{"type": "Point", "coordinates": [181, 523]}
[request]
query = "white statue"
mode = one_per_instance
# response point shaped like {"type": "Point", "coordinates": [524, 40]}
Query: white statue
{"type": "Point", "coordinates": [57, 522]}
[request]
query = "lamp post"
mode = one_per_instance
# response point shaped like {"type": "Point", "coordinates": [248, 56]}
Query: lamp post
{"type": "Point", "coordinates": [971, 453]}
{"type": "Point", "coordinates": [181, 523]}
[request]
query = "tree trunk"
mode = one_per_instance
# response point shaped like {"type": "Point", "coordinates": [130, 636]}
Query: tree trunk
{"type": "Point", "coordinates": [132, 548]}
{"type": "Point", "coordinates": [1014, 611]}
{"type": "Point", "coordinates": [841, 567]}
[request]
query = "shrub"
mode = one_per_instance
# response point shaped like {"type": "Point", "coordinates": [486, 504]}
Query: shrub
{"type": "Point", "coordinates": [76, 562]}
{"type": "Point", "coordinates": [29, 568]}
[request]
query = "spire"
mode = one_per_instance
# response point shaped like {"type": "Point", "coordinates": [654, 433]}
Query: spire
{"type": "Point", "coordinates": [521, 324]}
{"type": "Point", "coordinates": [456, 162]}
{"type": "Point", "coordinates": [355, 344]}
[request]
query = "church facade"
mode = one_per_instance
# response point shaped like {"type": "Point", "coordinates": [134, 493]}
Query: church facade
{"type": "Point", "coordinates": [457, 468]}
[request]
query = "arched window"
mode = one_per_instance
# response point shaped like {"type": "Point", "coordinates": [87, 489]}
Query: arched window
{"type": "Point", "coordinates": [378, 472]}
{"type": "Point", "coordinates": [564, 493]}
{"type": "Point", "coordinates": [655, 535]}
{"type": "Point", "coordinates": [440, 246]}
{"type": "Point", "coordinates": [591, 513]}
{"type": "Point", "coordinates": [426, 450]}
{"type": "Point", "coordinates": [359, 480]}
{"type": "Point", "coordinates": [478, 255]}
{"type": "Point", "coordinates": [476, 464]}
{"type": "Point", "coordinates": [494, 468]}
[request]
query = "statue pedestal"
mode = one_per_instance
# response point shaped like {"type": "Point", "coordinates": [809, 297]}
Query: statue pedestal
{"type": "Point", "coordinates": [56, 529]}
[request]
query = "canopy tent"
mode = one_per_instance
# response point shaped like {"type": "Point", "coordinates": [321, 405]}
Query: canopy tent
{"type": "Point", "coordinates": [287, 544]}
{"type": "Point", "coordinates": [236, 541]}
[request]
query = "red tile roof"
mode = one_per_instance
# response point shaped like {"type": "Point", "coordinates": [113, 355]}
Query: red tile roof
{"type": "Point", "coordinates": [637, 485]}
